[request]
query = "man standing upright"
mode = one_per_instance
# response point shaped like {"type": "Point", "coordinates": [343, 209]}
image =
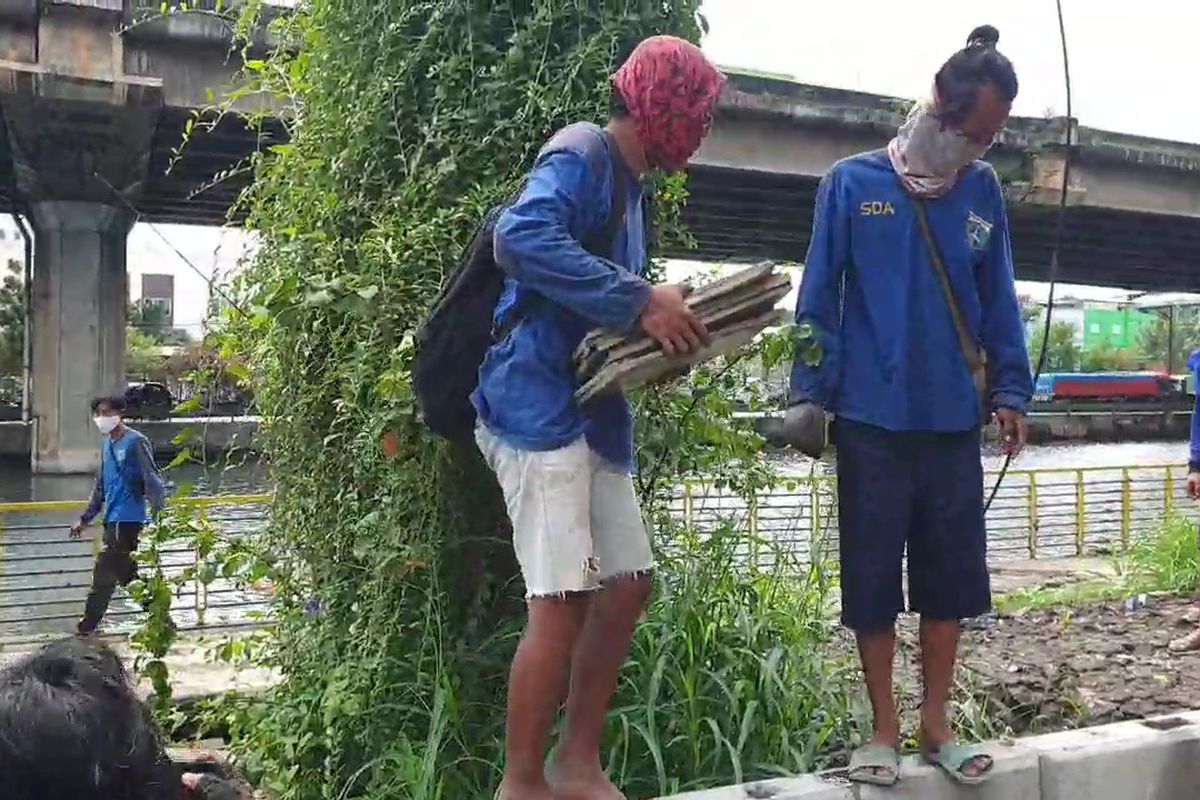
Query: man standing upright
{"type": "Point", "coordinates": [1191, 642]}
{"type": "Point", "coordinates": [908, 288]}
{"type": "Point", "coordinates": [127, 481]}
{"type": "Point", "coordinates": [574, 251]}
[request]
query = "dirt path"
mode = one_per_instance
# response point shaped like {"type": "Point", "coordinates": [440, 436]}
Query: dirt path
{"type": "Point", "coordinates": [1064, 668]}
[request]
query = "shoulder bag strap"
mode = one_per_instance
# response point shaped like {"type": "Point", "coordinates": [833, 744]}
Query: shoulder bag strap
{"type": "Point", "coordinates": [976, 360]}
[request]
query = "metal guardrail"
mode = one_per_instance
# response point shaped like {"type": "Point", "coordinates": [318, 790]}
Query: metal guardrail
{"type": "Point", "coordinates": [1038, 513]}
{"type": "Point", "coordinates": [45, 575]}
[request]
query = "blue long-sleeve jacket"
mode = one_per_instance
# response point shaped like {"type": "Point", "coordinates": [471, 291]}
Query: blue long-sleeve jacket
{"type": "Point", "coordinates": [891, 355]}
{"type": "Point", "coordinates": [126, 466]}
{"type": "Point", "coordinates": [560, 291]}
{"type": "Point", "coordinates": [1194, 443]}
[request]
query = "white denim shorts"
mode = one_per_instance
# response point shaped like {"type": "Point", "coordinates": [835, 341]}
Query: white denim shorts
{"type": "Point", "coordinates": [575, 517]}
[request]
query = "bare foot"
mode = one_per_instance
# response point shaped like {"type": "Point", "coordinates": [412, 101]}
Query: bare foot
{"type": "Point", "coordinates": [1186, 644]}
{"type": "Point", "coordinates": [513, 790]}
{"type": "Point", "coordinates": [1191, 616]}
{"type": "Point", "coordinates": [571, 781]}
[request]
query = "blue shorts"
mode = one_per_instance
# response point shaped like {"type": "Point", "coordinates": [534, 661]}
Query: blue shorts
{"type": "Point", "coordinates": [915, 489]}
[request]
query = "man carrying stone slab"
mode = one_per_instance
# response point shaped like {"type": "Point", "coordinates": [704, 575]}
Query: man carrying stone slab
{"type": "Point", "coordinates": [908, 291]}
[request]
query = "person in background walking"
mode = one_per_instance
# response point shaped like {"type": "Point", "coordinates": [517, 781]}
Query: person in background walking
{"type": "Point", "coordinates": [907, 284]}
{"type": "Point", "coordinates": [128, 481]}
{"type": "Point", "coordinates": [1191, 642]}
{"type": "Point", "coordinates": [565, 470]}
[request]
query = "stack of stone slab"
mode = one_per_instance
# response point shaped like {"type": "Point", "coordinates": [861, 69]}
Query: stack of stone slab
{"type": "Point", "coordinates": [733, 309]}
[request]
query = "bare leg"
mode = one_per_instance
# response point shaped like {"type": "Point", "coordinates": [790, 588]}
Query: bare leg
{"type": "Point", "coordinates": [877, 649]}
{"type": "Point", "coordinates": [939, 650]}
{"type": "Point", "coordinates": [536, 685]}
{"type": "Point", "coordinates": [577, 773]}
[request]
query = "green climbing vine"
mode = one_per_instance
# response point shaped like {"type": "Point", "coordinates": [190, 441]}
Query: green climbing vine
{"type": "Point", "coordinates": [397, 605]}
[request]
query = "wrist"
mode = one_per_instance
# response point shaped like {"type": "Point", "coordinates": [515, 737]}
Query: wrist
{"type": "Point", "coordinates": [641, 302]}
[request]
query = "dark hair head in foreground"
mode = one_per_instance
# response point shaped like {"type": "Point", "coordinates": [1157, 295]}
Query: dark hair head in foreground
{"type": "Point", "coordinates": [976, 87]}
{"type": "Point", "coordinates": [72, 728]}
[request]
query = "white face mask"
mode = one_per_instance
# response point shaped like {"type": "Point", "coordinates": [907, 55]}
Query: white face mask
{"type": "Point", "coordinates": [107, 425]}
{"type": "Point", "coordinates": [928, 157]}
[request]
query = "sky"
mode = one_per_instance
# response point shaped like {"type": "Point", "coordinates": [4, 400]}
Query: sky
{"type": "Point", "coordinates": [1132, 65]}
{"type": "Point", "coordinates": [1132, 71]}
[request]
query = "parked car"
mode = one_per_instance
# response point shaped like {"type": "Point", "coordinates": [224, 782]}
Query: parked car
{"type": "Point", "coordinates": [148, 400]}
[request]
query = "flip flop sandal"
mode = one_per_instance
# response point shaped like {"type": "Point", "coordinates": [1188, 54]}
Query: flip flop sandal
{"type": "Point", "coordinates": [953, 758]}
{"type": "Point", "coordinates": [876, 764]}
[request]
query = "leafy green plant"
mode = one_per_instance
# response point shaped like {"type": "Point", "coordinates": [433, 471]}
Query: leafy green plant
{"type": "Point", "coordinates": [396, 600]}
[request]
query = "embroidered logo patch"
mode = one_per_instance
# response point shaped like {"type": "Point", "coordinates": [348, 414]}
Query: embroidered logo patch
{"type": "Point", "coordinates": [979, 231]}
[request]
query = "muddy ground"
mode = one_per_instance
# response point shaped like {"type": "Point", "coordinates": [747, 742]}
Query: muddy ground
{"type": "Point", "coordinates": [1064, 668]}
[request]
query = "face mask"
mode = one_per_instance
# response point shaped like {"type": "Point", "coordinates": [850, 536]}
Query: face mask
{"type": "Point", "coordinates": [928, 157]}
{"type": "Point", "coordinates": [107, 425]}
{"type": "Point", "coordinates": [673, 143]}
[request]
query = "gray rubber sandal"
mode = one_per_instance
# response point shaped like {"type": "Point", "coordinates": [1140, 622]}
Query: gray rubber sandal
{"type": "Point", "coordinates": [876, 764]}
{"type": "Point", "coordinates": [952, 758]}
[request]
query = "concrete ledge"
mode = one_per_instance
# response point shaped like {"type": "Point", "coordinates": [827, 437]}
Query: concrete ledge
{"type": "Point", "coordinates": [1155, 759]}
{"type": "Point", "coordinates": [804, 787]}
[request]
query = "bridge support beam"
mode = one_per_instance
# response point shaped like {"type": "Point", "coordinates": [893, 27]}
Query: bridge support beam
{"type": "Point", "coordinates": [79, 130]}
{"type": "Point", "coordinates": [78, 326]}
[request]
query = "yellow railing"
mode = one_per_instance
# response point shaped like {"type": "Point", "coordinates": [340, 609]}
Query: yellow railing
{"type": "Point", "coordinates": [45, 575]}
{"type": "Point", "coordinates": [1037, 513]}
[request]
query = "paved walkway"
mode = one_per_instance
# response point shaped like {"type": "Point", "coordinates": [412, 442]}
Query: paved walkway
{"type": "Point", "coordinates": [1049, 573]}
{"type": "Point", "coordinates": [194, 670]}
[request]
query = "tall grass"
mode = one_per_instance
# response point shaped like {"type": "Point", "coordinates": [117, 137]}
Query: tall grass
{"type": "Point", "coordinates": [1166, 561]}
{"type": "Point", "coordinates": [733, 675]}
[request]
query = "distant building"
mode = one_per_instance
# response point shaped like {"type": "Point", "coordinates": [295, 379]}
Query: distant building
{"type": "Point", "coordinates": [1067, 310]}
{"type": "Point", "coordinates": [159, 290]}
{"type": "Point", "coordinates": [1117, 326]}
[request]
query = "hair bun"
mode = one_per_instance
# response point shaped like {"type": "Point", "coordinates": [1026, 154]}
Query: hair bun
{"type": "Point", "coordinates": [983, 36]}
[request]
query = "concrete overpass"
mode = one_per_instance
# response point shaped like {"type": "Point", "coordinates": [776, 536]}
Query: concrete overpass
{"type": "Point", "coordinates": [95, 96]}
{"type": "Point", "coordinates": [1134, 202]}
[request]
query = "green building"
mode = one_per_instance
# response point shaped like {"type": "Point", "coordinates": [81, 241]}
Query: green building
{"type": "Point", "coordinates": [1118, 327]}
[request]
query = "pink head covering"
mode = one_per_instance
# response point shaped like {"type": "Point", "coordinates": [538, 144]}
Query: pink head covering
{"type": "Point", "coordinates": [669, 88]}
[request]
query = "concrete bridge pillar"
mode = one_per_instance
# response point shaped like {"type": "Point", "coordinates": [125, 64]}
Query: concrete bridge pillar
{"type": "Point", "coordinates": [78, 326]}
{"type": "Point", "coordinates": [79, 130]}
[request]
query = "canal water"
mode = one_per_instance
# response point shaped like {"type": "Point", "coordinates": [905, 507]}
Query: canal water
{"type": "Point", "coordinates": [17, 485]}
{"type": "Point", "coordinates": [44, 575]}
